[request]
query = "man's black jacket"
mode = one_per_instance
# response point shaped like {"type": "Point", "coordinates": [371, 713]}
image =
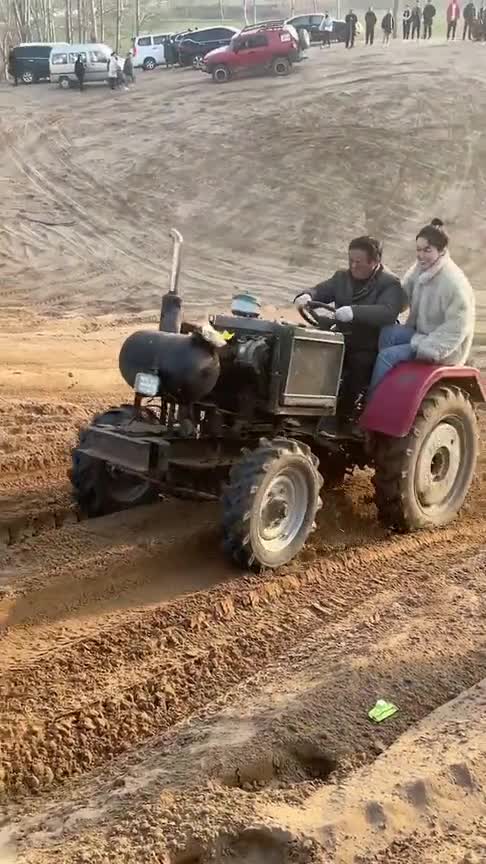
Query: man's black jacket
{"type": "Point", "coordinates": [375, 303]}
{"type": "Point", "coordinates": [429, 13]}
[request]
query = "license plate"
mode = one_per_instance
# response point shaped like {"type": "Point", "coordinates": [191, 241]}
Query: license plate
{"type": "Point", "coordinates": [146, 384]}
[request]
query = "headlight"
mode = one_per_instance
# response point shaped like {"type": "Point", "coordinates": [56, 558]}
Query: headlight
{"type": "Point", "coordinates": [146, 384]}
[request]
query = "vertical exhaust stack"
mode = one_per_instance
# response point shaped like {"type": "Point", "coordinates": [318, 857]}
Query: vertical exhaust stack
{"type": "Point", "coordinates": [171, 309]}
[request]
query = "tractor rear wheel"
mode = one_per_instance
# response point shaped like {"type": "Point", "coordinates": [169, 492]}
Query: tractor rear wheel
{"type": "Point", "coordinates": [270, 503]}
{"type": "Point", "coordinates": [100, 488]}
{"type": "Point", "coordinates": [421, 481]}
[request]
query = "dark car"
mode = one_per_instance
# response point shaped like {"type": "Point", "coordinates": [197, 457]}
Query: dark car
{"type": "Point", "coordinates": [312, 23]}
{"type": "Point", "coordinates": [195, 45]}
{"type": "Point", "coordinates": [30, 62]}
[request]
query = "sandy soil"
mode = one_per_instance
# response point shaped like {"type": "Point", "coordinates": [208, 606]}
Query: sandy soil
{"type": "Point", "coordinates": [155, 705]}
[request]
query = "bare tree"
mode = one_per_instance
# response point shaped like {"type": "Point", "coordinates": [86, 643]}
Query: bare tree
{"type": "Point", "coordinates": [118, 25]}
{"type": "Point", "coordinates": [101, 17]}
{"type": "Point", "coordinates": [68, 11]}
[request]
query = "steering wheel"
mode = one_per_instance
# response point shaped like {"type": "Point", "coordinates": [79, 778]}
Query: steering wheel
{"type": "Point", "coordinates": [311, 315]}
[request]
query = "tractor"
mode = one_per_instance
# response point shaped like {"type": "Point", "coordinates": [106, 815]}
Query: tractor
{"type": "Point", "coordinates": [231, 411]}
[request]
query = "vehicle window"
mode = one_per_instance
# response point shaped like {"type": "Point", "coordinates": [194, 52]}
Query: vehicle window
{"type": "Point", "coordinates": [144, 40]}
{"type": "Point", "coordinates": [98, 57]}
{"type": "Point", "coordinates": [59, 59]}
{"type": "Point", "coordinates": [28, 51]}
{"type": "Point", "coordinates": [74, 56]}
{"type": "Point", "coordinates": [316, 19]}
{"type": "Point", "coordinates": [301, 21]}
{"type": "Point", "coordinates": [159, 40]}
{"type": "Point", "coordinates": [259, 40]}
{"type": "Point", "coordinates": [219, 33]}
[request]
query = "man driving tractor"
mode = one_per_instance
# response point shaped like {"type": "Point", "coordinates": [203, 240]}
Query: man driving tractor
{"type": "Point", "coordinates": [367, 297]}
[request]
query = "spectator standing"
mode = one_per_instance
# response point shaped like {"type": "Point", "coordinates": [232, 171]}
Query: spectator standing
{"type": "Point", "coordinates": [326, 27]}
{"type": "Point", "coordinates": [429, 15]}
{"type": "Point", "coordinates": [113, 69]}
{"type": "Point", "coordinates": [387, 25]}
{"type": "Point", "coordinates": [416, 21]}
{"type": "Point", "coordinates": [351, 20]}
{"type": "Point", "coordinates": [453, 15]}
{"type": "Point", "coordinates": [128, 69]}
{"type": "Point", "coordinates": [469, 15]}
{"type": "Point", "coordinates": [406, 22]}
{"type": "Point", "coordinates": [370, 22]}
{"type": "Point", "coordinates": [170, 52]}
{"type": "Point", "coordinates": [79, 71]}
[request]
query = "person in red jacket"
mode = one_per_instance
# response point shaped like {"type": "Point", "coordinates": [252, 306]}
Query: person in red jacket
{"type": "Point", "coordinates": [453, 15]}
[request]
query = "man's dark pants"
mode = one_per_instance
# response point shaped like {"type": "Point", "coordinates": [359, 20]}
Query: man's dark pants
{"type": "Point", "coordinates": [357, 371]}
{"type": "Point", "coordinates": [416, 31]}
{"type": "Point", "coordinates": [350, 37]}
{"type": "Point", "coordinates": [370, 35]}
{"type": "Point", "coordinates": [451, 29]}
{"type": "Point", "coordinates": [427, 30]}
{"type": "Point", "coordinates": [467, 32]}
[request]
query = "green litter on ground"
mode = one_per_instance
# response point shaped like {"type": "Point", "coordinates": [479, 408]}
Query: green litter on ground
{"type": "Point", "coordinates": [382, 710]}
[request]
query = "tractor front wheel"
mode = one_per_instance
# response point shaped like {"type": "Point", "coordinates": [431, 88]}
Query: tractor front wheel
{"type": "Point", "coordinates": [270, 504]}
{"type": "Point", "coordinates": [100, 488]}
{"type": "Point", "coordinates": [421, 480]}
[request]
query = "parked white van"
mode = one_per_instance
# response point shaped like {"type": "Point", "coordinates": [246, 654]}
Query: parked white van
{"type": "Point", "coordinates": [62, 60]}
{"type": "Point", "coordinates": [148, 51]}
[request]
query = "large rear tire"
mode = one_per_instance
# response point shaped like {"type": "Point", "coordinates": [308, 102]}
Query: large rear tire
{"type": "Point", "coordinates": [421, 481]}
{"type": "Point", "coordinates": [270, 504]}
{"type": "Point", "coordinates": [99, 488]}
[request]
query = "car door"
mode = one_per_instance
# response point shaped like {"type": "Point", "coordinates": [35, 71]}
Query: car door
{"type": "Point", "coordinates": [158, 44]}
{"type": "Point", "coordinates": [314, 24]}
{"type": "Point", "coordinates": [256, 52]}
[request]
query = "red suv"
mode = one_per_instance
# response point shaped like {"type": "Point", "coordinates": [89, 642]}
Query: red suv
{"type": "Point", "coordinates": [271, 48]}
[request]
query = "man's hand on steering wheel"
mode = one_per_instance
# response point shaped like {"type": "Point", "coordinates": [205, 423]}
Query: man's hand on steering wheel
{"type": "Point", "coordinates": [309, 310]}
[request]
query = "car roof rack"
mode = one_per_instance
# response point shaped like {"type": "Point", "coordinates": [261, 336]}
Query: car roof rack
{"type": "Point", "coordinates": [264, 25]}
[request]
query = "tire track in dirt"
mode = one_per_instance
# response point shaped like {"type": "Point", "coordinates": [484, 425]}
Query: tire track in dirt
{"type": "Point", "coordinates": [271, 741]}
{"type": "Point", "coordinates": [72, 710]}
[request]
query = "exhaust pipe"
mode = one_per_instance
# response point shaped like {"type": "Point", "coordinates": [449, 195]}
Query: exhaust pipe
{"type": "Point", "coordinates": [171, 308]}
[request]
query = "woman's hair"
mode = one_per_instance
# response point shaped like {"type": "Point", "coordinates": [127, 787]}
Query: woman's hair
{"type": "Point", "coordinates": [372, 247]}
{"type": "Point", "coordinates": [435, 235]}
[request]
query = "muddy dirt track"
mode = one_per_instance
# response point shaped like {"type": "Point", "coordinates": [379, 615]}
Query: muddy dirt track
{"type": "Point", "coordinates": [156, 705]}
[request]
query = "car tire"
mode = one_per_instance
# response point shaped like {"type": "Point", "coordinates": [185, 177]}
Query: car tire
{"type": "Point", "coordinates": [281, 66]}
{"type": "Point", "coordinates": [149, 64]}
{"type": "Point", "coordinates": [28, 77]}
{"type": "Point", "coordinates": [64, 83]}
{"type": "Point", "coordinates": [221, 74]}
{"type": "Point", "coordinates": [197, 61]}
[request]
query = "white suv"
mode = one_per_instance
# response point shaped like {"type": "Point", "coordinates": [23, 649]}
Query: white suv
{"type": "Point", "coordinates": [148, 51]}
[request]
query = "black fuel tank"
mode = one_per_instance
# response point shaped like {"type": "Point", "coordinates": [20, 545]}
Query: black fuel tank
{"type": "Point", "coordinates": [187, 365]}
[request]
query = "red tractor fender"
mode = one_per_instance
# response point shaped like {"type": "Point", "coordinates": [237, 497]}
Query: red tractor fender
{"type": "Point", "coordinates": [395, 403]}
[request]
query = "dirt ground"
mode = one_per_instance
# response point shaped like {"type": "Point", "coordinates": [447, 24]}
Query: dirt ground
{"type": "Point", "coordinates": [156, 705]}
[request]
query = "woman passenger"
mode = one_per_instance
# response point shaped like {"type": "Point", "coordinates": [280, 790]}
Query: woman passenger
{"type": "Point", "coordinates": [440, 325]}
